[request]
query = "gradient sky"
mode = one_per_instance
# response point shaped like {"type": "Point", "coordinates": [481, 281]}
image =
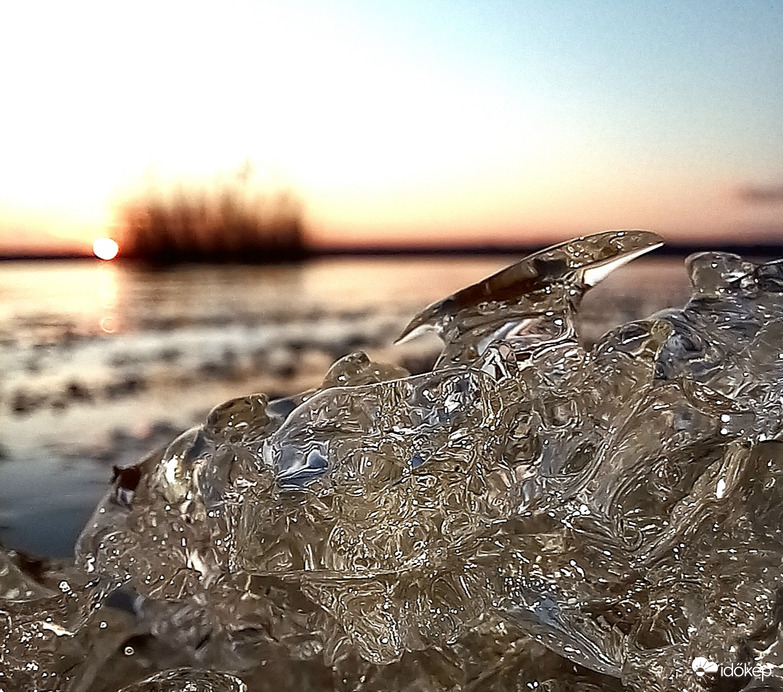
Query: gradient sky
{"type": "Point", "coordinates": [406, 121]}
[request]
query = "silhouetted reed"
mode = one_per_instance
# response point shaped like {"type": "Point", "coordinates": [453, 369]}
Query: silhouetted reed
{"type": "Point", "coordinates": [225, 222]}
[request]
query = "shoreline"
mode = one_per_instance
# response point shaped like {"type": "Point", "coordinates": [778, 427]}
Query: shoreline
{"type": "Point", "coordinates": [759, 249]}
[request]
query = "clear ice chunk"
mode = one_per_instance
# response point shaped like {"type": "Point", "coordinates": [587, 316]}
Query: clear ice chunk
{"type": "Point", "coordinates": [537, 297]}
{"type": "Point", "coordinates": [531, 514]}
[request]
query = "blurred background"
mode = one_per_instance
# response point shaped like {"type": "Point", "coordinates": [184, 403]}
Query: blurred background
{"type": "Point", "coordinates": [200, 201]}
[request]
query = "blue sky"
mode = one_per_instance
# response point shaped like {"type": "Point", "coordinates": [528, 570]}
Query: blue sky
{"type": "Point", "coordinates": [427, 121]}
{"type": "Point", "coordinates": [673, 79]}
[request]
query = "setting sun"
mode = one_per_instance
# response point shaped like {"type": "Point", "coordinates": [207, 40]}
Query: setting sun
{"type": "Point", "coordinates": [105, 248]}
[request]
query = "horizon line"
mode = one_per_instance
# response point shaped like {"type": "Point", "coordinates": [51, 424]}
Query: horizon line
{"type": "Point", "coordinates": [479, 249]}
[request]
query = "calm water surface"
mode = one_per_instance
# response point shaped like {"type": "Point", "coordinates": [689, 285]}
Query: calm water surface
{"type": "Point", "coordinates": [102, 363]}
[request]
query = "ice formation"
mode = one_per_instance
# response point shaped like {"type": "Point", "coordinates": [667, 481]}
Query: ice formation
{"type": "Point", "coordinates": [531, 514]}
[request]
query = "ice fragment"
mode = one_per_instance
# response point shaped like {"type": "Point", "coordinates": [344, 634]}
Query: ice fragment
{"type": "Point", "coordinates": [530, 514]}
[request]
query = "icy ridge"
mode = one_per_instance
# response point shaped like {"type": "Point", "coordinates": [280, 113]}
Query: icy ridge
{"type": "Point", "coordinates": [529, 512]}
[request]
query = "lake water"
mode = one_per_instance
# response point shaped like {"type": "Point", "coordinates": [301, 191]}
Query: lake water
{"type": "Point", "coordinates": [102, 363]}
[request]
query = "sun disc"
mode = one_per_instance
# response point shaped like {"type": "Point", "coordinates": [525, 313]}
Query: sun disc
{"type": "Point", "coordinates": [105, 248]}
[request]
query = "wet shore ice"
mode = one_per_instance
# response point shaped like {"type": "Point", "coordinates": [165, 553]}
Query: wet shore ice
{"type": "Point", "coordinates": [531, 512]}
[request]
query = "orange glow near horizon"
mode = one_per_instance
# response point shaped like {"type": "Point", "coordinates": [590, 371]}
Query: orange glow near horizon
{"type": "Point", "coordinates": [397, 123]}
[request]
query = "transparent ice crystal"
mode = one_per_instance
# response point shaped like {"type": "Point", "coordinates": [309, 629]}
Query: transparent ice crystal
{"type": "Point", "coordinates": [531, 514]}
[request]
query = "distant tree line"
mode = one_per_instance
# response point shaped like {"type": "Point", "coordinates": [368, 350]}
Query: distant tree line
{"type": "Point", "coordinates": [227, 221]}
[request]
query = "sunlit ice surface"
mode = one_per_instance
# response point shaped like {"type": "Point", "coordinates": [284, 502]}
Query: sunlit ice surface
{"type": "Point", "coordinates": [530, 514]}
{"type": "Point", "coordinates": [105, 248]}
